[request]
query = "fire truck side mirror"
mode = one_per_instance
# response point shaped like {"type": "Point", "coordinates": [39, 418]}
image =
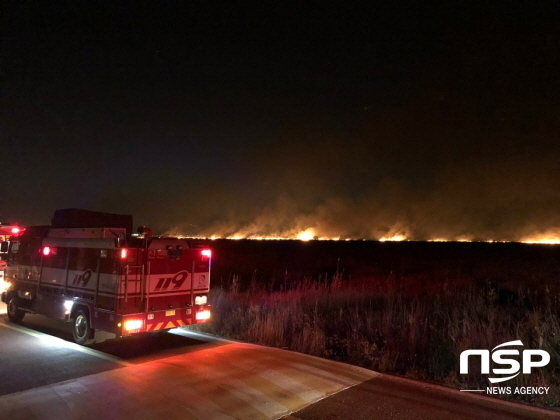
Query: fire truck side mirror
{"type": "Point", "coordinates": [4, 246]}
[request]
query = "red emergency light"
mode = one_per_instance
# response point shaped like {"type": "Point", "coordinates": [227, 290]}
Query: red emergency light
{"type": "Point", "coordinates": [47, 251]}
{"type": "Point", "coordinates": [206, 253]}
{"type": "Point", "coordinates": [11, 230]}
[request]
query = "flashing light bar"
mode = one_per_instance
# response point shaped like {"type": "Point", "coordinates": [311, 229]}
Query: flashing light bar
{"type": "Point", "coordinates": [11, 230]}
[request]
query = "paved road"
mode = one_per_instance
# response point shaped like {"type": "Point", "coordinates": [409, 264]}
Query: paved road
{"type": "Point", "coordinates": [184, 375]}
{"type": "Point", "coordinates": [388, 397]}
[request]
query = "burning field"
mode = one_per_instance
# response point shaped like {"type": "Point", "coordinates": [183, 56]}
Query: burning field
{"type": "Point", "coordinates": [279, 263]}
{"type": "Point", "coordinates": [407, 308]}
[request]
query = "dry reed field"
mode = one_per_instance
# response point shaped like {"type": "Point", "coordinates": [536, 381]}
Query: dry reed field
{"type": "Point", "coordinates": [408, 309]}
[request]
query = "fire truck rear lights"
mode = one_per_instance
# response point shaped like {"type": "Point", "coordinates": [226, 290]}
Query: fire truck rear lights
{"type": "Point", "coordinates": [201, 300]}
{"type": "Point", "coordinates": [133, 324]}
{"type": "Point", "coordinates": [124, 253]}
{"type": "Point", "coordinates": [203, 315]}
{"type": "Point", "coordinates": [16, 231]}
{"type": "Point", "coordinates": [47, 251]}
{"type": "Point", "coordinates": [206, 253]}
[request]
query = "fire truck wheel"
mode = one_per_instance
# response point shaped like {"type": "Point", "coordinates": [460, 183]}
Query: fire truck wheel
{"type": "Point", "coordinates": [80, 328]}
{"type": "Point", "coordinates": [14, 313]}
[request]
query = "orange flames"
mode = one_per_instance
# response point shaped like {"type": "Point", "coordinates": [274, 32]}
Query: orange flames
{"type": "Point", "coordinates": [309, 234]}
{"type": "Point", "coordinates": [393, 238]}
{"type": "Point", "coordinates": [394, 235]}
{"type": "Point", "coordinates": [550, 237]}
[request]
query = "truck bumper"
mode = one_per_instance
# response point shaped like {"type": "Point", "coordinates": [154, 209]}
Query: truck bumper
{"type": "Point", "coordinates": [162, 320]}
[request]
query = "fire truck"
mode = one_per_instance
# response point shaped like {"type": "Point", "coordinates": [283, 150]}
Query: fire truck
{"type": "Point", "coordinates": [89, 268]}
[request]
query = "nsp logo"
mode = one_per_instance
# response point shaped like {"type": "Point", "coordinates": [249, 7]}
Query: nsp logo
{"type": "Point", "coordinates": [542, 358]}
{"type": "Point", "coordinates": [177, 280]}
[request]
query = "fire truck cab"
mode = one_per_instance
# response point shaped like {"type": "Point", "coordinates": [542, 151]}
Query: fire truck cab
{"type": "Point", "coordinates": [90, 269]}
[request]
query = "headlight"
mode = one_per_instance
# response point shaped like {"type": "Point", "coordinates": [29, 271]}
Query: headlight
{"type": "Point", "coordinates": [68, 305]}
{"type": "Point", "coordinates": [4, 285]}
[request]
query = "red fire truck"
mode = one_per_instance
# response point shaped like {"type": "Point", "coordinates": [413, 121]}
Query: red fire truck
{"type": "Point", "coordinates": [88, 268]}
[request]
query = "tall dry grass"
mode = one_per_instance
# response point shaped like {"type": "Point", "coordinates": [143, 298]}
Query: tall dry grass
{"type": "Point", "coordinates": [397, 325]}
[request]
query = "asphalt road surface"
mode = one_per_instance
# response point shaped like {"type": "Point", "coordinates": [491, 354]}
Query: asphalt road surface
{"type": "Point", "coordinates": [185, 375]}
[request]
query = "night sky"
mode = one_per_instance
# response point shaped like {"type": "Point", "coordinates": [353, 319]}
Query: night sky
{"type": "Point", "coordinates": [431, 120]}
